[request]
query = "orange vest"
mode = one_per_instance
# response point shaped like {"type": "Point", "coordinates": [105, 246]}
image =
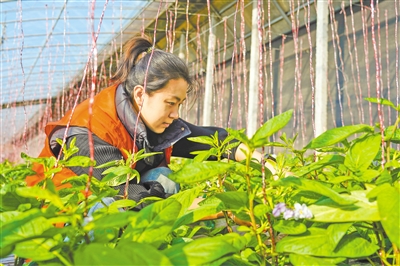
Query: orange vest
{"type": "Point", "coordinates": [104, 123]}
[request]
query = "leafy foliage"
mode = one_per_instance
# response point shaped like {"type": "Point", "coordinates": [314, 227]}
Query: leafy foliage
{"type": "Point", "coordinates": [350, 184]}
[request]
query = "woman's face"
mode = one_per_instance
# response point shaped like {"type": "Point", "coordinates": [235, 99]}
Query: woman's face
{"type": "Point", "coordinates": [160, 108]}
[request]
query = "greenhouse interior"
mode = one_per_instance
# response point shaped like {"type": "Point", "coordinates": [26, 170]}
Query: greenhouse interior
{"type": "Point", "coordinates": [200, 132]}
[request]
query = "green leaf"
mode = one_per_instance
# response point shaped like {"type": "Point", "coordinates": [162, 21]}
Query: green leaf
{"type": "Point", "coordinates": [18, 172]}
{"type": "Point", "coordinates": [337, 231]}
{"type": "Point", "coordinates": [110, 164]}
{"type": "Point", "coordinates": [289, 227]}
{"type": "Point", "coordinates": [81, 161]}
{"type": "Point", "coordinates": [207, 207]}
{"type": "Point", "coordinates": [316, 187]}
{"type": "Point", "coordinates": [38, 249]}
{"type": "Point", "coordinates": [40, 160]}
{"type": "Point", "coordinates": [230, 146]}
{"type": "Point", "coordinates": [326, 160]}
{"type": "Point", "coordinates": [342, 178]}
{"type": "Point", "coordinates": [121, 179]}
{"type": "Point", "coordinates": [260, 210]}
{"type": "Point", "coordinates": [237, 260]}
{"type": "Point", "coordinates": [368, 175]}
{"type": "Point", "coordinates": [119, 219]}
{"type": "Point", "coordinates": [122, 203]}
{"type": "Point", "coordinates": [306, 260]}
{"type": "Point", "coordinates": [105, 235]}
{"type": "Point", "coordinates": [199, 172]}
{"type": "Point", "coordinates": [202, 139]}
{"type": "Point", "coordinates": [389, 206]}
{"type": "Point", "coordinates": [6, 251]}
{"type": "Point", "coordinates": [186, 198]}
{"type": "Point", "coordinates": [336, 135]}
{"type": "Point", "coordinates": [355, 246]}
{"type": "Point", "coordinates": [270, 127]}
{"type": "Point", "coordinates": [118, 175]}
{"type": "Point", "coordinates": [38, 192]}
{"type": "Point", "coordinates": [10, 201]}
{"type": "Point", "coordinates": [234, 200]}
{"type": "Point", "coordinates": [153, 223]}
{"type": "Point", "coordinates": [201, 251]}
{"type": "Point", "coordinates": [306, 197]}
{"type": "Point", "coordinates": [362, 153]}
{"type": "Point", "coordinates": [236, 240]}
{"type": "Point", "coordinates": [275, 144]}
{"type": "Point", "coordinates": [99, 254]}
{"type": "Point", "coordinates": [314, 243]}
{"type": "Point", "coordinates": [374, 191]}
{"type": "Point", "coordinates": [327, 210]}
{"type": "Point", "coordinates": [140, 156]}
{"type": "Point", "coordinates": [116, 171]}
{"type": "Point", "coordinates": [250, 256]}
{"type": "Point", "coordinates": [384, 177]}
{"type": "Point", "coordinates": [239, 135]}
{"type": "Point", "coordinates": [16, 226]}
{"type": "Point", "coordinates": [204, 155]}
{"type": "Point", "coordinates": [392, 134]}
{"type": "Point", "coordinates": [130, 253]}
{"type": "Point", "coordinates": [381, 101]}
{"type": "Point", "coordinates": [144, 254]}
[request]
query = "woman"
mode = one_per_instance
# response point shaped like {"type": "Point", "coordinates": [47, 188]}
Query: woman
{"type": "Point", "coordinates": [148, 83]}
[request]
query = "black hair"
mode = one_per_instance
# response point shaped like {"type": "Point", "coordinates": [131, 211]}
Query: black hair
{"type": "Point", "coordinates": [163, 66]}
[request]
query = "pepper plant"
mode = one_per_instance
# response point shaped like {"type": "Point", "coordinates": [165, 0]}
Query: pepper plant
{"type": "Point", "coordinates": [333, 202]}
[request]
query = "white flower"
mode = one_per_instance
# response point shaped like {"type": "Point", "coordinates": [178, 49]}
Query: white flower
{"type": "Point", "coordinates": [279, 208]}
{"type": "Point", "coordinates": [289, 213]}
{"type": "Point", "coordinates": [302, 211]}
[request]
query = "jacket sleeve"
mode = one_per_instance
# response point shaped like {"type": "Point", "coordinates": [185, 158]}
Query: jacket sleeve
{"type": "Point", "coordinates": [103, 153]}
{"type": "Point", "coordinates": [184, 147]}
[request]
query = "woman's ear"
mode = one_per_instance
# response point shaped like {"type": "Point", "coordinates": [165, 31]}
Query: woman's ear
{"type": "Point", "coordinates": [138, 94]}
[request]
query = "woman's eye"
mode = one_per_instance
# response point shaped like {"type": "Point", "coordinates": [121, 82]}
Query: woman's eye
{"type": "Point", "coordinates": [171, 103]}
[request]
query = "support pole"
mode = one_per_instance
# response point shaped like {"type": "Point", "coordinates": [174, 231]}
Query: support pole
{"type": "Point", "coordinates": [209, 76]}
{"type": "Point", "coordinates": [321, 66]}
{"type": "Point", "coordinates": [253, 108]}
{"type": "Point", "coordinates": [182, 47]}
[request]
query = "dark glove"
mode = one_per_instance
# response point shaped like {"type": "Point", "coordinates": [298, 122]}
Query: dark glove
{"type": "Point", "coordinates": [138, 192]}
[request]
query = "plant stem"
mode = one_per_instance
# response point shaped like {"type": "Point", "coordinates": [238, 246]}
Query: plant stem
{"type": "Point", "coordinates": [87, 239]}
{"type": "Point", "coordinates": [364, 226]}
{"type": "Point", "coordinates": [19, 261]}
{"type": "Point", "coordinates": [370, 261]}
{"type": "Point", "coordinates": [396, 252]}
{"type": "Point", "coordinates": [271, 234]}
{"type": "Point", "coordinates": [381, 240]}
{"type": "Point", "coordinates": [388, 142]}
{"type": "Point", "coordinates": [251, 205]}
{"type": "Point", "coordinates": [128, 177]}
{"type": "Point", "coordinates": [62, 259]}
{"type": "Point", "coordinates": [226, 216]}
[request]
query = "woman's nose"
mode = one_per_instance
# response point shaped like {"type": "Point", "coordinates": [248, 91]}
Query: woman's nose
{"type": "Point", "coordinates": [174, 115]}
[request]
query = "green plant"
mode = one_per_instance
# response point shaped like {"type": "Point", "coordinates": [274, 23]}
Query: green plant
{"type": "Point", "coordinates": [338, 205]}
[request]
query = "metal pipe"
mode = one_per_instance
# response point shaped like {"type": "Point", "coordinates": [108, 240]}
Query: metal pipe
{"type": "Point", "coordinates": [321, 68]}
{"type": "Point", "coordinates": [252, 111]}
{"type": "Point", "coordinates": [209, 76]}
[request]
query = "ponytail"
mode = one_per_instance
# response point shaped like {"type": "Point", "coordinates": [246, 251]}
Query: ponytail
{"type": "Point", "coordinates": [132, 52]}
{"type": "Point", "coordinates": [134, 66]}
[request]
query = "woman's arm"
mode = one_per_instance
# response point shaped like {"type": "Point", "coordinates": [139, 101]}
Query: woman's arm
{"type": "Point", "coordinates": [184, 147]}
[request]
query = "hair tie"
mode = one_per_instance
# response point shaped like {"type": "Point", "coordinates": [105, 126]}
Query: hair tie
{"type": "Point", "coordinates": [149, 49]}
